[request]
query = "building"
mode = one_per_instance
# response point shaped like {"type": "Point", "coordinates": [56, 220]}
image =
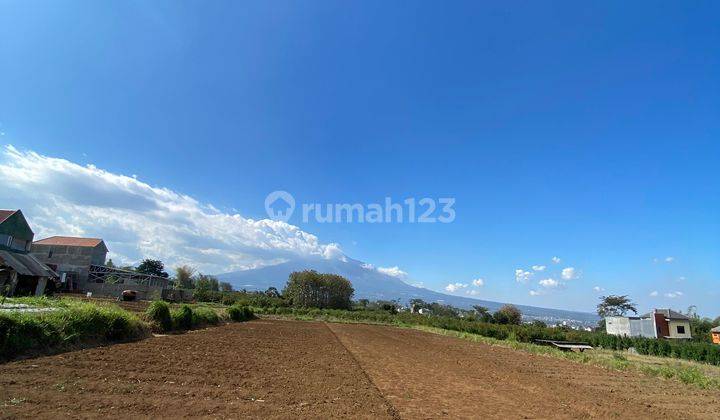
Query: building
{"type": "Point", "coordinates": [80, 263]}
{"type": "Point", "coordinates": [715, 332]}
{"type": "Point", "coordinates": [20, 272]}
{"type": "Point", "coordinates": [660, 323]}
{"type": "Point", "coordinates": [631, 326]}
{"type": "Point", "coordinates": [72, 258]}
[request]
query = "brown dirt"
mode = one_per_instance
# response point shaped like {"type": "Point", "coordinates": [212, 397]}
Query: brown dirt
{"type": "Point", "coordinates": [286, 369]}
{"type": "Point", "coordinates": [426, 375]}
{"type": "Point", "coordinates": [269, 369]}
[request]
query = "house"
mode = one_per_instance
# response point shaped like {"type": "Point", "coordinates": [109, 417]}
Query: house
{"type": "Point", "coordinates": [715, 332]}
{"type": "Point", "coordinates": [20, 272]}
{"type": "Point", "coordinates": [660, 323]}
{"type": "Point", "coordinates": [80, 263]}
{"type": "Point", "coordinates": [71, 257]}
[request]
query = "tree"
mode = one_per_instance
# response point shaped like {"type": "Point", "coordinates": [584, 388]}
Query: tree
{"type": "Point", "coordinates": [483, 313]}
{"type": "Point", "coordinates": [272, 292]}
{"type": "Point", "coordinates": [417, 304]}
{"type": "Point", "coordinates": [110, 263]}
{"type": "Point", "coordinates": [184, 277]}
{"type": "Point", "coordinates": [538, 323]}
{"type": "Point", "coordinates": [153, 267]}
{"type": "Point", "coordinates": [364, 303]}
{"type": "Point", "coordinates": [207, 283]}
{"type": "Point", "coordinates": [312, 289]}
{"type": "Point", "coordinates": [615, 306]}
{"type": "Point", "coordinates": [508, 314]}
{"type": "Point", "coordinates": [226, 287]}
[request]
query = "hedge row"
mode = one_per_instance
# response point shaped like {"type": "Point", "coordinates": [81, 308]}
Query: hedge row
{"type": "Point", "coordinates": [681, 349]}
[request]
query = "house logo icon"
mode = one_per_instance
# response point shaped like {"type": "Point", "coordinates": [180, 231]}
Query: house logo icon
{"type": "Point", "coordinates": [280, 205]}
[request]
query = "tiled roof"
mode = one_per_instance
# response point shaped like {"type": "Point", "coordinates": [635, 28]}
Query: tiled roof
{"type": "Point", "coordinates": [70, 241]}
{"type": "Point", "coordinates": [4, 214]}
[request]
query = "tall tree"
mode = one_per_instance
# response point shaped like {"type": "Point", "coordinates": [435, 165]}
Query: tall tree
{"type": "Point", "coordinates": [184, 277]}
{"type": "Point", "coordinates": [206, 282]}
{"type": "Point", "coordinates": [615, 305]}
{"type": "Point", "coordinates": [483, 313]}
{"type": "Point", "coordinates": [154, 267]}
{"type": "Point", "coordinates": [226, 287]}
{"type": "Point", "coordinates": [312, 289]}
{"type": "Point", "coordinates": [508, 314]}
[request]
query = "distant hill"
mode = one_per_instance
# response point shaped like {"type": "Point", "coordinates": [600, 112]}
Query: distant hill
{"type": "Point", "coordinates": [372, 284]}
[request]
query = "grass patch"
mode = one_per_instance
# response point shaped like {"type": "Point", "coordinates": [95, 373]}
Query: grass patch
{"type": "Point", "coordinates": [71, 324]}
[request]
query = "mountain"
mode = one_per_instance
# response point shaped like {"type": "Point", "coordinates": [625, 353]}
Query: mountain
{"type": "Point", "coordinates": [372, 284]}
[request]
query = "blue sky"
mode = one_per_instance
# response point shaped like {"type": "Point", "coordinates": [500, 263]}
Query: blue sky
{"type": "Point", "coordinates": [586, 132]}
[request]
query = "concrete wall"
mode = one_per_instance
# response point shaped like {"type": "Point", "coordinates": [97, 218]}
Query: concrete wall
{"type": "Point", "coordinates": [115, 290]}
{"type": "Point", "coordinates": [70, 259]}
{"type": "Point", "coordinates": [673, 329]}
{"type": "Point", "coordinates": [617, 325]}
{"type": "Point", "coordinates": [642, 328]}
{"type": "Point", "coordinates": [631, 327]}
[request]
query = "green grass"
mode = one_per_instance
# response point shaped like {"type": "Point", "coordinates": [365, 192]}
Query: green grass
{"type": "Point", "coordinates": [71, 324]}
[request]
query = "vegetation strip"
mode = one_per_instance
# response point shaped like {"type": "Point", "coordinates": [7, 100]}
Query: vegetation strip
{"type": "Point", "coordinates": [74, 323]}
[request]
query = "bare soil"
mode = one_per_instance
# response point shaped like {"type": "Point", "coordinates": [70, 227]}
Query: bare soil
{"type": "Point", "coordinates": [288, 369]}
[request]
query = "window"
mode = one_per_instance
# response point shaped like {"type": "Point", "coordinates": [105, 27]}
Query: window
{"type": "Point", "coordinates": [681, 329]}
{"type": "Point", "coordinates": [50, 253]}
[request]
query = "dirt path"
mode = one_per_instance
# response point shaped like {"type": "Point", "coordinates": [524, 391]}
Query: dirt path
{"type": "Point", "coordinates": [268, 369]}
{"type": "Point", "coordinates": [286, 369]}
{"type": "Point", "coordinates": [429, 376]}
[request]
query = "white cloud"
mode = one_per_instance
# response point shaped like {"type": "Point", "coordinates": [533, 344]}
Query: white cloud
{"type": "Point", "coordinates": [478, 282]}
{"type": "Point", "coordinates": [654, 293]}
{"type": "Point", "coordinates": [472, 292]}
{"type": "Point", "coordinates": [138, 220]}
{"type": "Point", "coordinates": [368, 266]}
{"type": "Point", "coordinates": [673, 295]}
{"type": "Point", "coordinates": [682, 278]}
{"type": "Point", "coordinates": [598, 289]}
{"type": "Point", "coordinates": [393, 271]}
{"type": "Point", "coordinates": [555, 260]}
{"type": "Point", "coordinates": [538, 267]}
{"type": "Point", "coordinates": [669, 259]}
{"type": "Point", "coordinates": [536, 293]}
{"type": "Point", "coordinates": [522, 276]}
{"type": "Point", "coordinates": [549, 283]}
{"type": "Point", "coordinates": [454, 287]}
{"type": "Point", "coordinates": [569, 273]}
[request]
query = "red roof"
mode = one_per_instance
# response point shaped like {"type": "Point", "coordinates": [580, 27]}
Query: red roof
{"type": "Point", "coordinates": [70, 241]}
{"type": "Point", "coordinates": [4, 214]}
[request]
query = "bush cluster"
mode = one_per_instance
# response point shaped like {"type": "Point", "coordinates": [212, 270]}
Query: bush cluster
{"type": "Point", "coordinates": [73, 324]}
{"type": "Point", "coordinates": [240, 313]}
{"type": "Point", "coordinates": [159, 314]}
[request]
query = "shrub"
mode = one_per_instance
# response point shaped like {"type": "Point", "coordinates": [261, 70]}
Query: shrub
{"type": "Point", "coordinates": [159, 313]}
{"type": "Point", "coordinates": [204, 316]}
{"type": "Point", "coordinates": [239, 313]}
{"type": "Point", "coordinates": [182, 318]}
